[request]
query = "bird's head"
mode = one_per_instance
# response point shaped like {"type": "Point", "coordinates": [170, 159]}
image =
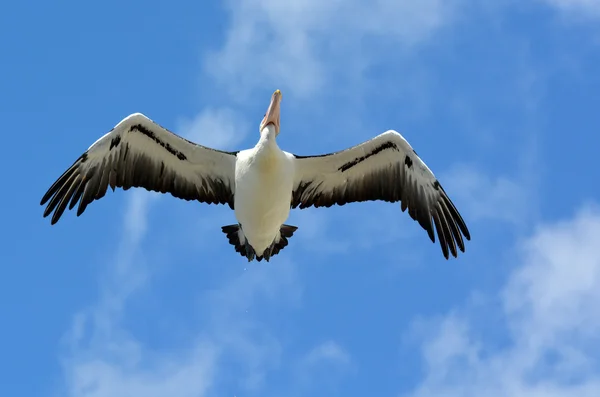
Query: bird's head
{"type": "Point", "coordinates": [273, 113]}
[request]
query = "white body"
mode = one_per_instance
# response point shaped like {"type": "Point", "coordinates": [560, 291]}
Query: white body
{"type": "Point", "coordinates": [264, 179]}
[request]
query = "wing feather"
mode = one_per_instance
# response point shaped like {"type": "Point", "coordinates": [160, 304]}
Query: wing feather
{"type": "Point", "coordinates": [384, 168]}
{"type": "Point", "coordinates": [138, 152]}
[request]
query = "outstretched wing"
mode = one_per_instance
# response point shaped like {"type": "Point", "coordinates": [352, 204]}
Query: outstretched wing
{"type": "Point", "coordinates": [383, 168]}
{"type": "Point", "coordinates": [137, 152]}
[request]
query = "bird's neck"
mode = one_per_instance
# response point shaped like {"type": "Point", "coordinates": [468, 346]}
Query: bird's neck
{"type": "Point", "coordinates": [267, 141]}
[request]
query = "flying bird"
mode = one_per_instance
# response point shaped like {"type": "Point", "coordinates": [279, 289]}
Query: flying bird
{"type": "Point", "coordinates": [261, 184]}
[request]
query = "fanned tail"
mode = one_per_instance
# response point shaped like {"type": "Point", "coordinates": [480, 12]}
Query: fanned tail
{"type": "Point", "coordinates": [238, 240]}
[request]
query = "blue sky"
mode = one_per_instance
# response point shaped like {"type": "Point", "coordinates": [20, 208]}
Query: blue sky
{"type": "Point", "coordinates": [143, 295]}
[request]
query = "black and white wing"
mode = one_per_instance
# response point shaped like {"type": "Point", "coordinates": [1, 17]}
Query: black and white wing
{"type": "Point", "coordinates": [137, 152]}
{"type": "Point", "coordinates": [384, 168]}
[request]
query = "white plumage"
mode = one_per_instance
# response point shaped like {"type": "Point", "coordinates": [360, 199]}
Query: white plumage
{"type": "Point", "coordinates": [260, 184]}
{"type": "Point", "coordinates": [263, 190]}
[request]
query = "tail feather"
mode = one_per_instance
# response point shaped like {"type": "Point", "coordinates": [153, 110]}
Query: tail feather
{"type": "Point", "coordinates": [238, 240]}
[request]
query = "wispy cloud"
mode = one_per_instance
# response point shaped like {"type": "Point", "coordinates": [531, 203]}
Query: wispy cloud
{"type": "Point", "coordinates": [188, 374]}
{"type": "Point", "coordinates": [104, 359]}
{"type": "Point", "coordinates": [328, 351]}
{"type": "Point", "coordinates": [252, 348]}
{"type": "Point", "coordinates": [322, 368]}
{"type": "Point", "coordinates": [125, 273]}
{"type": "Point", "coordinates": [507, 189]}
{"type": "Point", "coordinates": [219, 128]}
{"type": "Point", "coordinates": [548, 307]}
{"type": "Point", "coordinates": [485, 197]}
{"type": "Point", "coordinates": [304, 45]}
{"type": "Point", "coordinates": [582, 8]}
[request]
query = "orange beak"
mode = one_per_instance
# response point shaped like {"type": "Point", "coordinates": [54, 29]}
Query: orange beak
{"type": "Point", "coordinates": [273, 112]}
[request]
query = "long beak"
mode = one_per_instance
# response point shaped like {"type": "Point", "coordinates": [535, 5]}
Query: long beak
{"type": "Point", "coordinates": [273, 112]}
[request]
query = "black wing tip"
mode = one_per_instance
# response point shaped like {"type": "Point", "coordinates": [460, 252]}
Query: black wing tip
{"type": "Point", "coordinates": [455, 222]}
{"type": "Point", "coordinates": [466, 233]}
{"type": "Point", "coordinates": [449, 250]}
{"type": "Point", "coordinates": [452, 246]}
{"type": "Point", "coordinates": [45, 199]}
{"type": "Point", "coordinates": [454, 254]}
{"type": "Point", "coordinates": [449, 242]}
{"type": "Point", "coordinates": [53, 193]}
{"type": "Point", "coordinates": [430, 233]}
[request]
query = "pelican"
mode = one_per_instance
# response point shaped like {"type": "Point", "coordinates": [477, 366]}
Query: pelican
{"type": "Point", "coordinates": [261, 184]}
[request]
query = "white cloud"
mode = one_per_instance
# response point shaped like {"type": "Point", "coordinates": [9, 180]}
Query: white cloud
{"type": "Point", "coordinates": [316, 226]}
{"type": "Point", "coordinates": [320, 370]}
{"type": "Point", "coordinates": [219, 128]}
{"type": "Point", "coordinates": [501, 198]}
{"type": "Point", "coordinates": [301, 45]}
{"type": "Point", "coordinates": [580, 7]}
{"type": "Point", "coordinates": [550, 313]}
{"type": "Point", "coordinates": [341, 234]}
{"type": "Point", "coordinates": [190, 376]}
{"type": "Point", "coordinates": [554, 292]}
{"type": "Point", "coordinates": [328, 351]}
{"type": "Point", "coordinates": [125, 274]}
{"type": "Point", "coordinates": [104, 358]}
{"type": "Point", "coordinates": [234, 326]}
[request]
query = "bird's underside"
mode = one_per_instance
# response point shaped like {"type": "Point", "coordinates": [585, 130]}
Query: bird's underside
{"type": "Point", "coordinates": [138, 152]}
